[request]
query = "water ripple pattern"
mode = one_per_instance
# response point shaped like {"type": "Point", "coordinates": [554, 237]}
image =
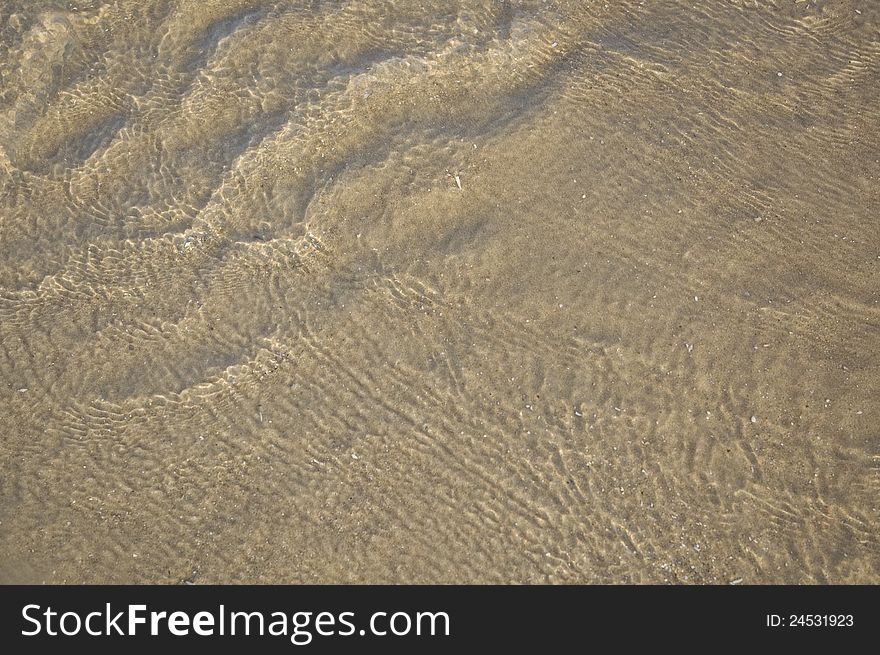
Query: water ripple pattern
{"type": "Point", "coordinates": [527, 291]}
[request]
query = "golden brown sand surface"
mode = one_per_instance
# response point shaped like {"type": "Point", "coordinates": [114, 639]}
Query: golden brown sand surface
{"type": "Point", "coordinates": [438, 291]}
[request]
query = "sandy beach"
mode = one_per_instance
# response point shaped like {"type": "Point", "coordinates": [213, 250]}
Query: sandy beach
{"type": "Point", "coordinates": [440, 292]}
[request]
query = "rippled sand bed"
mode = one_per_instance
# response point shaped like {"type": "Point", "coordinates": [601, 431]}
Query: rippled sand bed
{"type": "Point", "coordinates": [444, 291]}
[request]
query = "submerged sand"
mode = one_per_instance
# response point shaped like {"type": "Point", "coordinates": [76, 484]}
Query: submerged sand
{"type": "Point", "coordinates": [441, 291]}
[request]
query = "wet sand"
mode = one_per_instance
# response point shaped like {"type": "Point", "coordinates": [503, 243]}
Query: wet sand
{"type": "Point", "coordinates": [545, 292]}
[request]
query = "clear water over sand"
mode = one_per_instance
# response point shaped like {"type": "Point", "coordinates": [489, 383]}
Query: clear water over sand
{"type": "Point", "coordinates": [442, 291]}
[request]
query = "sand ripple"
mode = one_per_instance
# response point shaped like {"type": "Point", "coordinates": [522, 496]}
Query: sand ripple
{"type": "Point", "coordinates": [439, 291]}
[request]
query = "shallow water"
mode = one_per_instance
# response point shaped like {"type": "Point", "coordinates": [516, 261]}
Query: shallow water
{"type": "Point", "coordinates": [439, 291]}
